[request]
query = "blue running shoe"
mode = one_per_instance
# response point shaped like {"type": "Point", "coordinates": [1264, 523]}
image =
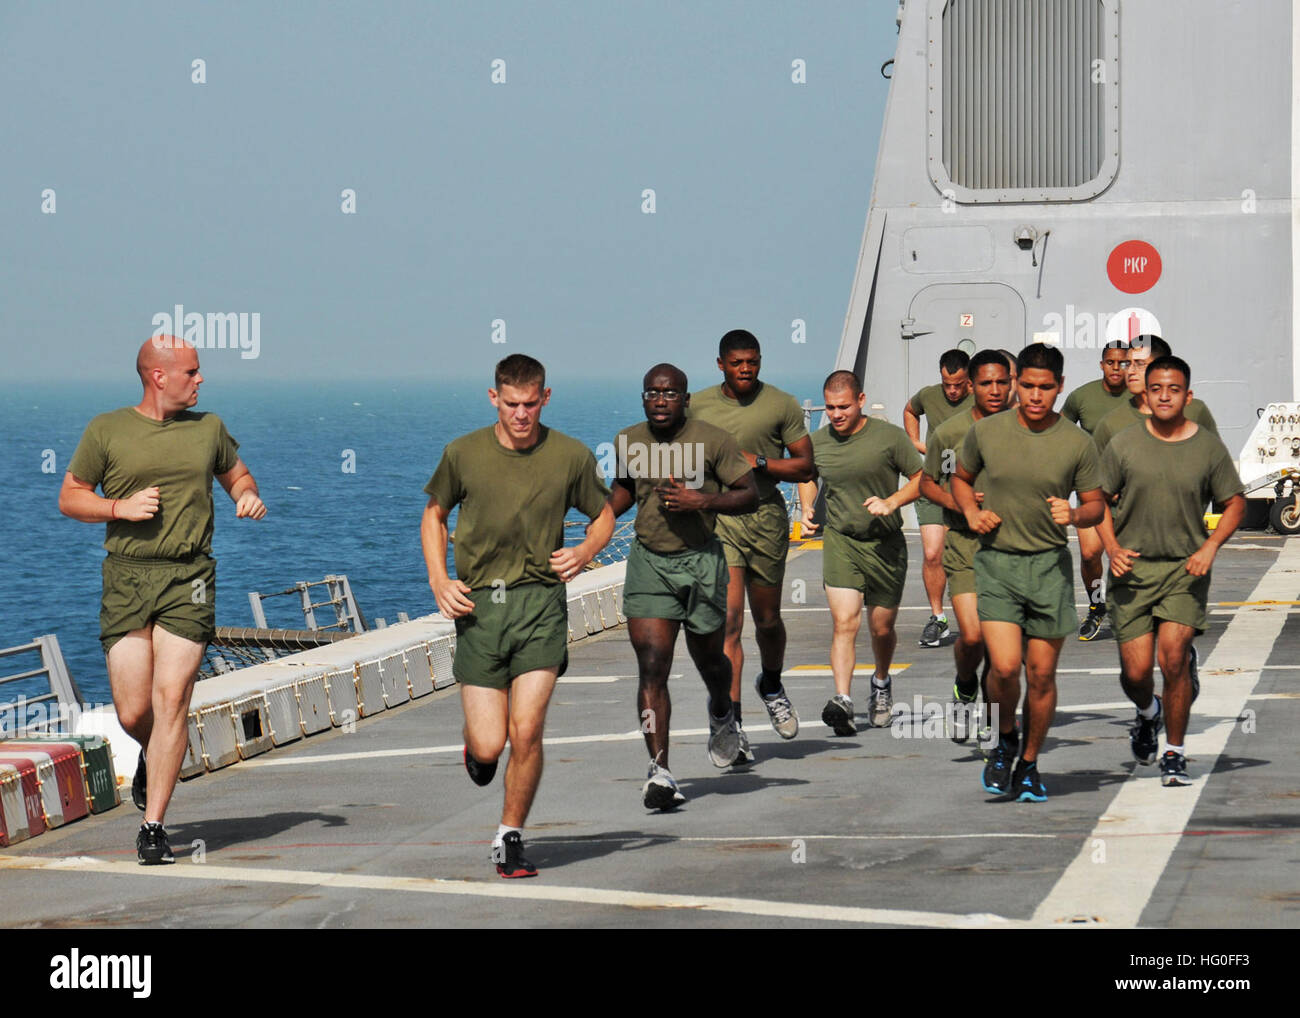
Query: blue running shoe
{"type": "Point", "coordinates": [1026, 785]}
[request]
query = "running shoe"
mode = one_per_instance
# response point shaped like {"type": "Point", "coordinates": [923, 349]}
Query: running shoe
{"type": "Point", "coordinates": [660, 790]}
{"type": "Point", "coordinates": [140, 785]}
{"type": "Point", "coordinates": [724, 739]}
{"type": "Point", "coordinates": [780, 711]}
{"type": "Point", "coordinates": [935, 631]}
{"type": "Point", "coordinates": [1173, 770]}
{"type": "Point", "coordinates": [959, 716]}
{"type": "Point", "coordinates": [881, 705]}
{"type": "Point", "coordinates": [1144, 736]}
{"type": "Point", "coordinates": [997, 772]}
{"type": "Point", "coordinates": [984, 739]}
{"type": "Point", "coordinates": [745, 756]}
{"type": "Point", "coordinates": [151, 845]}
{"type": "Point", "coordinates": [509, 857]}
{"type": "Point", "coordinates": [1194, 670]}
{"type": "Point", "coordinates": [1092, 622]}
{"type": "Point", "coordinates": [479, 773]}
{"type": "Point", "coordinates": [1026, 785]}
{"type": "Point", "coordinates": [837, 715]}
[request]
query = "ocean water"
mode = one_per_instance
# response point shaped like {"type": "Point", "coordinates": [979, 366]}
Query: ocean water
{"type": "Point", "coordinates": [294, 437]}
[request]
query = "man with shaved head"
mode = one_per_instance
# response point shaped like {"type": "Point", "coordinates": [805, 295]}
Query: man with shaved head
{"type": "Point", "coordinates": [680, 472]}
{"type": "Point", "coordinates": [154, 463]}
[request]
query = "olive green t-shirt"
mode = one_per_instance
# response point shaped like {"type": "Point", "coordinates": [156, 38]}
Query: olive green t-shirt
{"type": "Point", "coordinates": [868, 462]}
{"type": "Point", "coordinates": [700, 456]}
{"type": "Point", "coordinates": [941, 460]}
{"type": "Point", "coordinates": [512, 503]}
{"type": "Point", "coordinates": [765, 424]}
{"type": "Point", "coordinates": [1017, 469]}
{"type": "Point", "coordinates": [1127, 414]}
{"type": "Point", "coordinates": [1089, 404]}
{"type": "Point", "coordinates": [1163, 489]}
{"type": "Point", "coordinates": [123, 452]}
{"type": "Point", "coordinates": [933, 405]}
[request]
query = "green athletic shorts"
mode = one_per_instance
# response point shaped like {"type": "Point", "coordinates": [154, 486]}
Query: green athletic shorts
{"type": "Point", "coordinates": [178, 594]}
{"type": "Point", "coordinates": [959, 548]}
{"type": "Point", "coordinates": [757, 542]}
{"type": "Point", "coordinates": [878, 568]}
{"type": "Point", "coordinates": [686, 586]}
{"type": "Point", "coordinates": [1156, 590]}
{"type": "Point", "coordinates": [928, 513]}
{"type": "Point", "coordinates": [511, 631]}
{"type": "Point", "coordinates": [1033, 590]}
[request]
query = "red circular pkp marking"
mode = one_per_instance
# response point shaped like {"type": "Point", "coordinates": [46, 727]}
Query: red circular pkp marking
{"type": "Point", "coordinates": [1134, 266]}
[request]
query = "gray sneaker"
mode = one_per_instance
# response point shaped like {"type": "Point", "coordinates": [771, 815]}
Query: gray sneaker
{"type": "Point", "coordinates": [780, 711]}
{"type": "Point", "coordinates": [724, 739]}
{"type": "Point", "coordinates": [746, 755]}
{"type": "Point", "coordinates": [660, 790]}
{"type": "Point", "coordinates": [837, 715]}
{"type": "Point", "coordinates": [881, 705]}
{"type": "Point", "coordinates": [935, 631]}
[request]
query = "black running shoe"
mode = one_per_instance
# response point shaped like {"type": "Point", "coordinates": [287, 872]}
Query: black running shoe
{"type": "Point", "coordinates": [837, 715]}
{"type": "Point", "coordinates": [151, 845]}
{"type": "Point", "coordinates": [1194, 670]}
{"type": "Point", "coordinates": [1173, 770]}
{"type": "Point", "coordinates": [509, 857]}
{"type": "Point", "coordinates": [997, 772]}
{"type": "Point", "coordinates": [140, 785]}
{"type": "Point", "coordinates": [1026, 786]}
{"type": "Point", "coordinates": [479, 773]}
{"type": "Point", "coordinates": [1092, 623]}
{"type": "Point", "coordinates": [1144, 736]}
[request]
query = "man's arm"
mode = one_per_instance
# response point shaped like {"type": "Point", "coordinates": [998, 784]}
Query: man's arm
{"type": "Point", "coordinates": [77, 499]}
{"type": "Point", "coordinates": [242, 489]}
{"type": "Point", "coordinates": [567, 563]}
{"type": "Point", "coordinates": [449, 593]}
{"type": "Point", "coordinates": [930, 489]}
{"type": "Point", "coordinates": [621, 497]}
{"type": "Point", "coordinates": [1203, 559]}
{"type": "Point", "coordinates": [912, 425]}
{"type": "Point", "coordinates": [808, 504]}
{"type": "Point", "coordinates": [797, 467]}
{"type": "Point", "coordinates": [1089, 513]}
{"type": "Point", "coordinates": [905, 495]}
{"type": "Point", "coordinates": [981, 521]}
{"type": "Point", "coordinates": [740, 497]}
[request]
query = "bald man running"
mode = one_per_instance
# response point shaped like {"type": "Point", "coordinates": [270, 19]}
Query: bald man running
{"type": "Point", "coordinates": [155, 463]}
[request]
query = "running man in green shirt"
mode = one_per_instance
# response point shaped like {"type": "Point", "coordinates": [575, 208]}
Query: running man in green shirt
{"type": "Point", "coordinates": [937, 403]}
{"type": "Point", "coordinates": [1087, 406]}
{"type": "Point", "coordinates": [1027, 464]}
{"type": "Point", "coordinates": [514, 483]}
{"type": "Point", "coordinates": [680, 473]}
{"type": "Point", "coordinates": [1163, 474]}
{"type": "Point", "coordinates": [155, 463]}
{"type": "Point", "coordinates": [1142, 351]}
{"type": "Point", "coordinates": [864, 557]}
{"type": "Point", "coordinates": [765, 422]}
{"type": "Point", "coordinates": [990, 376]}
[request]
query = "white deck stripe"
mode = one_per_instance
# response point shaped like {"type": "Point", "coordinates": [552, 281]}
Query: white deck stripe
{"type": "Point", "coordinates": [1117, 891]}
{"type": "Point", "coordinates": [515, 890]}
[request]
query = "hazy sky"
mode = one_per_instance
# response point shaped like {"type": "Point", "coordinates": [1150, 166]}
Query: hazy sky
{"type": "Point", "coordinates": [475, 201]}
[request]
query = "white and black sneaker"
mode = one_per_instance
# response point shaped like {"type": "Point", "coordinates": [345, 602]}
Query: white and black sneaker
{"type": "Point", "coordinates": [660, 790]}
{"type": "Point", "coordinates": [151, 845]}
{"type": "Point", "coordinates": [935, 631]}
{"type": "Point", "coordinates": [1144, 735]}
{"type": "Point", "coordinates": [837, 715]}
{"type": "Point", "coordinates": [724, 739]}
{"type": "Point", "coordinates": [1173, 770]}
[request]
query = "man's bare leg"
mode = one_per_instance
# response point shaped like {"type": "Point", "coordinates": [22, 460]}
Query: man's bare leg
{"type": "Point", "coordinates": [1172, 642]}
{"type": "Point", "coordinates": [530, 695]}
{"type": "Point", "coordinates": [932, 574]}
{"type": "Point", "coordinates": [1091, 570]}
{"type": "Point", "coordinates": [653, 641]}
{"type": "Point", "coordinates": [1004, 644]}
{"type": "Point", "coordinates": [846, 619]}
{"type": "Point", "coordinates": [968, 651]}
{"type": "Point", "coordinates": [735, 627]}
{"type": "Point", "coordinates": [175, 667]}
{"type": "Point", "coordinates": [1040, 700]}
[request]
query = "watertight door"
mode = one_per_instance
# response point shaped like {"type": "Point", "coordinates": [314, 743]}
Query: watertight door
{"type": "Point", "coordinates": [967, 316]}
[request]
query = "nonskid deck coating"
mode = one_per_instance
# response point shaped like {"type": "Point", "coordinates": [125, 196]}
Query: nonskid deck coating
{"type": "Point", "coordinates": [381, 827]}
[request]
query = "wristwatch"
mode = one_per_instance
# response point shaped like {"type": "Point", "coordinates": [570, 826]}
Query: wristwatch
{"type": "Point", "coordinates": [760, 462]}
